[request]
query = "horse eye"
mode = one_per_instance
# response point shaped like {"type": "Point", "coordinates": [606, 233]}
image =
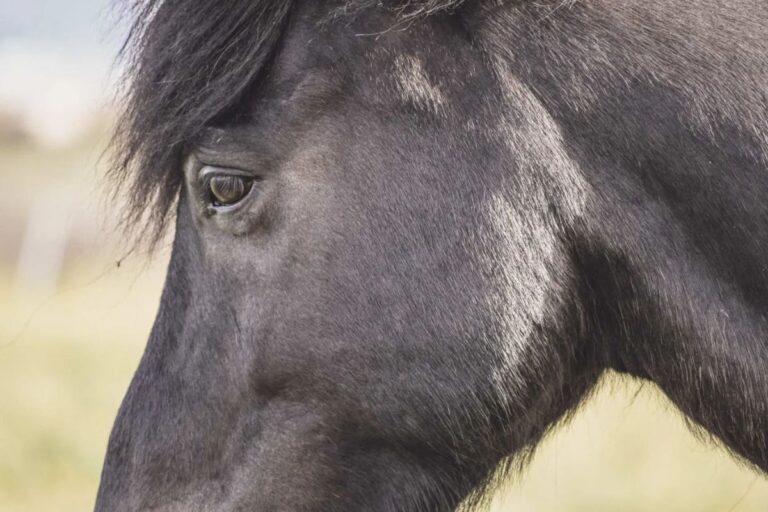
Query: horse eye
{"type": "Point", "coordinates": [226, 190]}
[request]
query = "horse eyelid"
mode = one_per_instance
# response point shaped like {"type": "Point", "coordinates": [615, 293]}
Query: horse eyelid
{"type": "Point", "coordinates": [206, 172]}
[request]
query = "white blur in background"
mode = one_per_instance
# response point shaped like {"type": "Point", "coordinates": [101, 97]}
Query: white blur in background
{"type": "Point", "coordinates": [55, 65]}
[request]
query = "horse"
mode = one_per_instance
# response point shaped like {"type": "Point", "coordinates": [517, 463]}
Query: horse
{"type": "Point", "coordinates": [410, 236]}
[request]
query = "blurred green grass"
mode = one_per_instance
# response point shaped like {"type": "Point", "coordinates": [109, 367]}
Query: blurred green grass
{"type": "Point", "coordinates": [65, 362]}
{"type": "Point", "coordinates": [66, 358]}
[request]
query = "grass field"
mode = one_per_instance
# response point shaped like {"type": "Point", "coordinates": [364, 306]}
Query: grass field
{"type": "Point", "coordinates": [65, 361]}
{"type": "Point", "coordinates": [66, 358]}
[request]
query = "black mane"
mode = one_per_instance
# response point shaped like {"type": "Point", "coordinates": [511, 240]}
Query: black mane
{"type": "Point", "coordinates": [189, 61]}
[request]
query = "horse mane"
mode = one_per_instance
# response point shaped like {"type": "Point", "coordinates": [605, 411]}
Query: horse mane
{"type": "Point", "coordinates": [188, 62]}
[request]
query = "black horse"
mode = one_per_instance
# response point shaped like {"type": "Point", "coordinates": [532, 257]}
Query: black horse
{"type": "Point", "coordinates": [411, 236]}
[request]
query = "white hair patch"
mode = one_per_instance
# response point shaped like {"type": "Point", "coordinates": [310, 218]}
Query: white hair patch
{"type": "Point", "coordinates": [415, 86]}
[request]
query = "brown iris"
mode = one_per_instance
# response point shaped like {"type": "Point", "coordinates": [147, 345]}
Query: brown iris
{"type": "Point", "coordinates": [227, 190]}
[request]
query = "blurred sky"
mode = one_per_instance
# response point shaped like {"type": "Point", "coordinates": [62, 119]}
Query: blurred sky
{"type": "Point", "coordinates": [56, 20]}
{"type": "Point", "coordinates": [56, 64]}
